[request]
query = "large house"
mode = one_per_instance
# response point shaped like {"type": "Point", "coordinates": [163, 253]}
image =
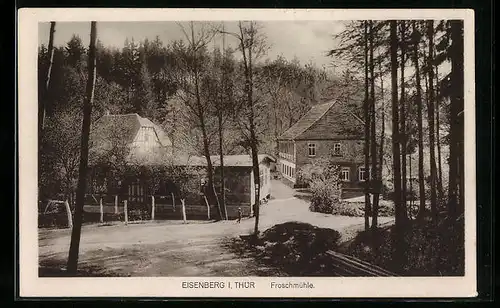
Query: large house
{"type": "Point", "coordinates": [326, 131]}
{"type": "Point", "coordinates": [128, 142]}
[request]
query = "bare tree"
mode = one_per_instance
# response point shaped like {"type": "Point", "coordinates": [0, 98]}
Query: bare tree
{"type": "Point", "coordinates": [193, 70]}
{"type": "Point", "coordinates": [382, 139]}
{"type": "Point", "coordinates": [72, 265]}
{"type": "Point", "coordinates": [400, 213]}
{"type": "Point", "coordinates": [456, 172]}
{"type": "Point", "coordinates": [373, 133]}
{"type": "Point", "coordinates": [438, 139]}
{"type": "Point", "coordinates": [252, 46]}
{"type": "Point", "coordinates": [416, 43]}
{"type": "Point", "coordinates": [366, 110]}
{"type": "Point", "coordinates": [430, 118]}
{"type": "Point", "coordinates": [404, 139]}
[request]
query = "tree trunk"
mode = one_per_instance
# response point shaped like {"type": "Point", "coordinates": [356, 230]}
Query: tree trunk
{"type": "Point", "coordinates": [438, 141]}
{"type": "Point", "coordinates": [456, 172]}
{"type": "Point", "coordinates": [366, 108]}
{"type": "Point", "coordinates": [374, 173]}
{"type": "Point", "coordinates": [404, 139]}
{"type": "Point", "coordinates": [45, 99]}
{"type": "Point", "coordinates": [221, 131]}
{"type": "Point", "coordinates": [381, 149]}
{"type": "Point", "coordinates": [400, 215]}
{"type": "Point", "coordinates": [72, 265]}
{"type": "Point", "coordinates": [206, 151]}
{"type": "Point", "coordinates": [430, 118]}
{"type": "Point", "coordinates": [208, 207]}
{"type": "Point", "coordinates": [421, 181]}
{"type": "Point", "coordinates": [248, 72]}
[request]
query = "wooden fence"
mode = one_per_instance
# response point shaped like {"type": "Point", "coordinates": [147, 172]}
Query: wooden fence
{"type": "Point", "coordinates": [108, 208]}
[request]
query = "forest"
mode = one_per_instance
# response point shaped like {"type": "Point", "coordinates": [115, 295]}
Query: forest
{"type": "Point", "coordinates": [404, 79]}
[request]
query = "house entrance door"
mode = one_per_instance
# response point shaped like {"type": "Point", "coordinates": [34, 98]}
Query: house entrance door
{"type": "Point", "coordinates": [136, 192]}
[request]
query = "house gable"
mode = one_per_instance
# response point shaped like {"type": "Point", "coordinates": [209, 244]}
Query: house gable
{"type": "Point", "coordinates": [303, 124]}
{"type": "Point", "coordinates": [146, 141]}
{"type": "Point", "coordinates": [336, 123]}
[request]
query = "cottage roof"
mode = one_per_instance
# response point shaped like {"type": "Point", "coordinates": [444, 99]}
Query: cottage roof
{"type": "Point", "coordinates": [312, 116]}
{"type": "Point", "coordinates": [112, 137]}
{"type": "Point", "coordinates": [326, 121]}
{"type": "Point", "coordinates": [229, 160]}
{"type": "Point", "coordinates": [124, 128]}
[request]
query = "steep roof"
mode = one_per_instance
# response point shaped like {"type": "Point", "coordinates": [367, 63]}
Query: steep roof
{"type": "Point", "coordinates": [312, 116]}
{"type": "Point", "coordinates": [124, 127]}
{"type": "Point", "coordinates": [117, 126]}
{"type": "Point", "coordinates": [114, 134]}
{"type": "Point", "coordinates": [327, 121]}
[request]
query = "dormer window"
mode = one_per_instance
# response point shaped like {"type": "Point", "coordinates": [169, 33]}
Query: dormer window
{"type": "Point", "coordinates": [311, 149]}
{"type": "Point", "coordinates": [336, 149]}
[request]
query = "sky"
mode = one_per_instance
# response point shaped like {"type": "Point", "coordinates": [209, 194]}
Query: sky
{"type": "Point", "coordinates": [308, 41]}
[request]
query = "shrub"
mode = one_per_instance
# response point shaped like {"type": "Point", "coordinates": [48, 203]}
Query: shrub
{"type": "Point", "coordinates": [325, 194]}
{"type": "Point", "coordinates": [349, 209]}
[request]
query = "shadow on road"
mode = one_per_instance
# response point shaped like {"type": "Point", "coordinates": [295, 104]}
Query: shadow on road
{"type": "Point", "coordinates": [293, 248]}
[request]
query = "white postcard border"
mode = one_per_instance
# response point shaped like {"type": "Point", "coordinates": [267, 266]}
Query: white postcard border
{"type": "Point", "coordinates": [33, 286]}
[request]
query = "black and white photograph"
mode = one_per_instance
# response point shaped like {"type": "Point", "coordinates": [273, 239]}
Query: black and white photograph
{"type": "Point", "coordinates": [305, 148]}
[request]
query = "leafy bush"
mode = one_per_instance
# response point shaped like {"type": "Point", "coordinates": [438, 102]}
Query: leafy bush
{"type": "Point", "coordinates": [324, 184]}
{"type": "Point", "coordinates": [324, 195]}
{"type": "Point", "coordinates": [349, 209]}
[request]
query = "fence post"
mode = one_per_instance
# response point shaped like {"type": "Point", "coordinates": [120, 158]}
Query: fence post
{"type": "Point", "coordinates": [208, 206]}
{"type": "Point", "coordinates": [68, 212]}
{"type": "Point", "coordinates": [183, 202]}
{"type": "Point", "coordinates": [101, 210]}
{"type": "Point", "coordinates": [116, 204]}
{"type": "Point", "coordinates": [173, 201]}
{"type": "Point", "coordinates": [125, 211]}
{"type": "Point", "coordinates": [152, 207]}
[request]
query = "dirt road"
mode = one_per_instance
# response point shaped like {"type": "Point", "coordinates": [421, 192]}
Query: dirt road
{"type": "Point", "coordinates": [171, 248]}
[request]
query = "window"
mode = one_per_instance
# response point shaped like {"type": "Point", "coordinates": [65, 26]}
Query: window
{"type": "Point", "coordinates": [362, 174]}
{"type": "Point", "coordinates": [336, 149]}
{"type": "Point", "coordinates": [312, 149]}
{"type": "Point", "coordinates": [344, 174]}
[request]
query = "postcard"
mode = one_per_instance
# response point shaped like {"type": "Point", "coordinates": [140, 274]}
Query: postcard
{"type": "Point", "coordinates": [246, 153]}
